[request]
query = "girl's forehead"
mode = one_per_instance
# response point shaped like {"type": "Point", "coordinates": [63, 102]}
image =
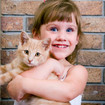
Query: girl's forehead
{"type": "Point", "coordinates": [72, 22]}
{"type": "Point", "coordinates": [62, 23]}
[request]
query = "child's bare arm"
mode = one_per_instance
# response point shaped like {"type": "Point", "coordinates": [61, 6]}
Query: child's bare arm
{"type": "Point", "coordinates": [41, 72]}
{"type": "Point", "coordinates": [44, 70]}
{"type": "Point", "coordinates": [66, 90]}
{"type": "Point", "coordinates": [74, 84]}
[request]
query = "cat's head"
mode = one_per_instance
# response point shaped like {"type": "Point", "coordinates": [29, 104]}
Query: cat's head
{"type": "Point", "coordinates": [33, 52]}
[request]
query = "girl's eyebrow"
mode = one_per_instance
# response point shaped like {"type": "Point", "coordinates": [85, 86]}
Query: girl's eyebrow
{"type": "Point", "coordinates": [54, 24]}
{"type": "Point", "coordinates": [73, 26]}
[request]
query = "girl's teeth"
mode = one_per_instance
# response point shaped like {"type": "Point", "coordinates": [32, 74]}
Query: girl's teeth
{"type": "Point", "coordinates": [61, 46]}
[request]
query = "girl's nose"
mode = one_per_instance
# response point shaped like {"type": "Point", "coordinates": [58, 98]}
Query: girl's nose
{"type": "Point", "coordinates": [61, 37]}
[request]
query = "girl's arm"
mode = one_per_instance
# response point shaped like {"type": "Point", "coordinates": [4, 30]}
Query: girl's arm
{"type": "Point", "coordinates": [65, 91]}
{"type": "Point", "coordinates": [40, 72]}
{"type": "Point", "coordinates": [44, 70]}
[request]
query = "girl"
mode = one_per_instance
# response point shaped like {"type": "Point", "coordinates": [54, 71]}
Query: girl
{"type": "Point", "coordinates": [60, 21]}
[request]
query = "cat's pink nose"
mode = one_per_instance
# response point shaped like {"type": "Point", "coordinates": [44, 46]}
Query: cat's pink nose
{"type": "Point", "coordinates": [30, 61]}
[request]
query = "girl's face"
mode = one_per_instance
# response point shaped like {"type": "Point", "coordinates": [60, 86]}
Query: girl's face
{"type": "Point", "coordinates": [63, 36]}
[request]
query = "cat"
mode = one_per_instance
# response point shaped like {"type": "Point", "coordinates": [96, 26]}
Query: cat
{"type": "Point", "coordinates": [30, 53]}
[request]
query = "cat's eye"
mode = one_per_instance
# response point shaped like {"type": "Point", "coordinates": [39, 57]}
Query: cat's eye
{"type": "Point", "coordinates": [26, 52]}
{"type": "Point", "coordinates": [37, 54]}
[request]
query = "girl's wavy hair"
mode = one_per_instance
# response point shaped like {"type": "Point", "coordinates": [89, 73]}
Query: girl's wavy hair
{"type": "Point", "coordinates": [60, 10]}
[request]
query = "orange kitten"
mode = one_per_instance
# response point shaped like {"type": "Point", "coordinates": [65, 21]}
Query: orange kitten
{"type": "Point", "coordinates": [30, 53]}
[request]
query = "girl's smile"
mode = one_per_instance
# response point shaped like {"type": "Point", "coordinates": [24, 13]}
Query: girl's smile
{"type": "Point", "coordinates": [60, 44]}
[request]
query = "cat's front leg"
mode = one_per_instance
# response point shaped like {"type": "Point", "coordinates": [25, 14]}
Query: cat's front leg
{"type": "Point", "coordinates": [3, 69]}
{"type": "Point", "coordinates": [8, 76]}
{"type": "Point", "coordinates": [7, 67]}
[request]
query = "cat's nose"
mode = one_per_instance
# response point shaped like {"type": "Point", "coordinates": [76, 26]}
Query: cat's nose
{"type": "Point", "coordinates": [30, 60]}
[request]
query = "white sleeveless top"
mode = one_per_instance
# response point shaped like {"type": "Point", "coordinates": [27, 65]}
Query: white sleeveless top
{"type": "Point", "coordinates": [76, 101]}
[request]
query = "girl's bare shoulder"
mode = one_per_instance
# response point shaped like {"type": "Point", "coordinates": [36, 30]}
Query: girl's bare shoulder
{"type": "Point", "coordinates": [77, 68]}
{"type": "Point", "coordinates": [77, 71]}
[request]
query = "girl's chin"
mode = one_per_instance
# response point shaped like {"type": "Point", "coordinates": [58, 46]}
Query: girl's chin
{"type": "Point", "coordinates": [58, 56]}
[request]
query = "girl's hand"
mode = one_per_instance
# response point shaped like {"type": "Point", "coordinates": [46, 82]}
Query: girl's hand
{"type": "Point", "coordinates": [15, 88]}
{"type": "Point", "coordinates": [58, 68]}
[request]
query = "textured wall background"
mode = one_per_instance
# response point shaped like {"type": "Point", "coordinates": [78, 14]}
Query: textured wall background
{"type": "Point", "coordinates": [17, 16]}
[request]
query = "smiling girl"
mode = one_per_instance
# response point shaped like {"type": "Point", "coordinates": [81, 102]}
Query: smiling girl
{"type": "Point", "coordinates": [58, 20]}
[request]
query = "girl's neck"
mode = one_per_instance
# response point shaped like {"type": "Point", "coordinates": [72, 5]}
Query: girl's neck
{"type": "Point", "coordinates": [64, 62]}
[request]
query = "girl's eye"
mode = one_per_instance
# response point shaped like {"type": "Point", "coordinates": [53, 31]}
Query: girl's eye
{"type": "Point", "coordinates": [26, 52]}
{"type": "Point", "coordinates": [54, 29]}
{"type": "Point", "coordinates": [37, 54]}
{"type": "Point", "coordinates": [69, 30]}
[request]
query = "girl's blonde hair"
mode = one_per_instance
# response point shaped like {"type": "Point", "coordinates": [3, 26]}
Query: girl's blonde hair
{"type": "Point", "coordinates": [60, 10]}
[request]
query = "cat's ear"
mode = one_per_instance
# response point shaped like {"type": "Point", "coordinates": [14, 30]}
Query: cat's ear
{"type": "Point", "coordinates": [24, 37]}
{"type": "Point", "coordinates": [46, 43]}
